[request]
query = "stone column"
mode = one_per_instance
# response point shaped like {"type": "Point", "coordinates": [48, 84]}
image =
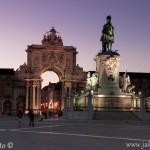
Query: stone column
{"type": "Point", "coordinates": [33, 97]}
{"type": "Point", "coordinates": [65, 113]}
{"type": "Point", "coordinates": [38, 97]}
{"type": "Point", "coordinates": [71, 107]}
{"type": "Point", "coordinates": [67, 91]}
{"type": "Point", "coordinates": [30, 96]}
{"type": "Point", "coordinates": [62, 97]}
{"type": "Point", "coordinates": [27, 97]}
{"type": "Point", "coordinates": [65, 99]}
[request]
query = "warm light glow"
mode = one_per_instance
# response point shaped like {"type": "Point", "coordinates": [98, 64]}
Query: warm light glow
{"type": "Point", "coordinates": [56, 105]}
{"type": "Point", "coordinates": [51, 104]}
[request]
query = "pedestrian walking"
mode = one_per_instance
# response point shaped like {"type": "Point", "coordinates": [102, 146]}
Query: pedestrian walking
{"type": "Point", "coordinates": [19, 118]}
{"type": "Point", "coordinates": [45, 114]}
{"type": "Point", "coordinates": [31, 118]}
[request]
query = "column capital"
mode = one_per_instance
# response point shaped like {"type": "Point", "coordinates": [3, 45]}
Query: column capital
{"type": "Point", "coordinates": [27, 86]}
{"type": "Point", "coordinates": [33, 85]}
{"type": "Point", "coordinates": [38, 86]}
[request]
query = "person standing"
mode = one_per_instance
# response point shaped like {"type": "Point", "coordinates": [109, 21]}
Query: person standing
{"type": "Point", "coordinates": [31, 118]}
{"type": "Point", "coordinates": [19, 117]}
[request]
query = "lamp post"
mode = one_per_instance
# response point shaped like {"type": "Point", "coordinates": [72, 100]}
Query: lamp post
{"type": "Point", "coordinates": [1, 102]}
{"type": "Point", "coordinates": [71, 106]}
{"type": "Point", "coordinates": [84, 95]}
{"type": "Point", "coordinates": [90, 105]}
{"type": "Point", "coordinates": [133, 100]}
{"type": "Point", "coordinates": [142, 106]}
{"type": "Point", "coordinates": [65, 107]}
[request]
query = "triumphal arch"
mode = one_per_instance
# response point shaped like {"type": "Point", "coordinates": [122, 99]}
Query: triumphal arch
{"type": "Point", "coordinates": [51, 55]}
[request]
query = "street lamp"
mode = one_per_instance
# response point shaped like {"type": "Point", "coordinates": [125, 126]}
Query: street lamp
{"type": "Point", "coordinates": [133, 99]}
{"type": "Point", "coordinates": [139, 93]}
{"type": "Point", "coordinates": [92, 92]}
{"type": "Point", "coordinates": [142, 106]}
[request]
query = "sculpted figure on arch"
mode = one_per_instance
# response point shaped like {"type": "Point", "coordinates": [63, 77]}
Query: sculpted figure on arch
{"type": "Point", "coordinates": [107, 37]}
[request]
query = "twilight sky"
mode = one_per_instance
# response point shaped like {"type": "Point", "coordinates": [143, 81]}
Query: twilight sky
{"type": "Point", "coordinates": [23, 22]}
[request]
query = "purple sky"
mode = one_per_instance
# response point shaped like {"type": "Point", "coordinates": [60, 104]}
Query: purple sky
{"type": "Point", "coordinates": [80, 24]}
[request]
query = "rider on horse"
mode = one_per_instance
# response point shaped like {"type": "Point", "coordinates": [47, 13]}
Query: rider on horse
{"type": "Point", "coordinates": [107, 37]}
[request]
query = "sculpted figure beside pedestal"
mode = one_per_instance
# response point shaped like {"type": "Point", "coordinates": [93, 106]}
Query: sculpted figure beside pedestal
{"type": "Point", "coordinates": [91, 82]}
{"type": "Point", "coordinates": [125, 84]}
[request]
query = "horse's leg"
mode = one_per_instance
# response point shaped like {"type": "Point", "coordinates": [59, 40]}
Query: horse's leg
{"type": "Point", "coordinates": [110, 46]}
{"type": "Point", "coordinates": [104, 47]}
{"type": "Point", "coordinates": [107, 46]}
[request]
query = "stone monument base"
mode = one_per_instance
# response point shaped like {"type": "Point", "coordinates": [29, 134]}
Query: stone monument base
{"type": "Point", "coordinates": [112, 103]}
{"type": "Point", "coordinates": [84, 115]}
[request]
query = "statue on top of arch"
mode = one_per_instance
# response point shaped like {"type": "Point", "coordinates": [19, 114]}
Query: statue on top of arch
{"type": "Point", "coordinates": [51, 38]}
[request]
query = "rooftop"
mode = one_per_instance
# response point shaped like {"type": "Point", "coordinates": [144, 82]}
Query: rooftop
{"type": "Point", "coordinates": [7, 71]}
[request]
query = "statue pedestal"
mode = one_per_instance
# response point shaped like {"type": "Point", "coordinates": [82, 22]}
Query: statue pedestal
{"type": "Point", "coordinates": [112, 103]}
{"type": "Point", "coordinates": [107, 65]}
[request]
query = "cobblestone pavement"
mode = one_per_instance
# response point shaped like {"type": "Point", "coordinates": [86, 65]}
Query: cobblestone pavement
{"type": "Point", "coordinates": [59, 134]}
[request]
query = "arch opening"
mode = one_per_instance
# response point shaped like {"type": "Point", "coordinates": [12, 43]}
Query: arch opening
{"type": "Point", "coordinates": [49, 76]}
{"type": "Point", "coordinates": [51, 92]}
